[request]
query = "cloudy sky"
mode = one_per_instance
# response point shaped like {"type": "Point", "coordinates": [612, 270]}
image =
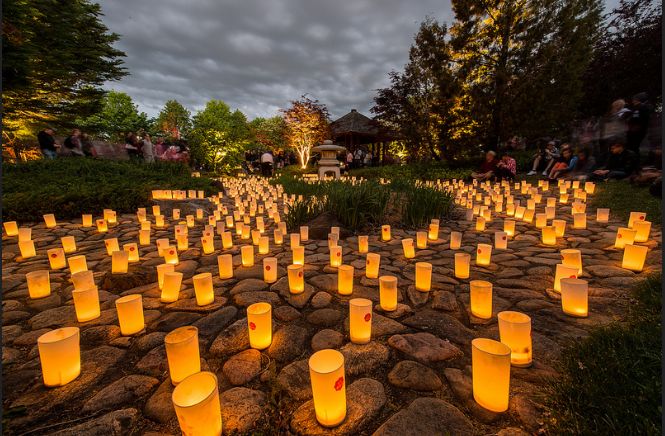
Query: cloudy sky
{"type": "Point", "coordinates": [257, 55]}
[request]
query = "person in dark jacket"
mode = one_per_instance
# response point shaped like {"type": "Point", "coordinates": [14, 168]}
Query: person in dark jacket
{"type": "Point", "coordinates": [638, 122]}
{"type": "Point", "coordinates": [487, 167]}
{"type": "Point", "coordinates": [47, 143]}
{"type": "Point", "coordinates": [620, 164]}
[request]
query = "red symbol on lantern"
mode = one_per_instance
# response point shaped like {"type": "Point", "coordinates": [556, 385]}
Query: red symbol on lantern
{"type": "Point", "coordinates": [368, 317]}
{"type": "Point", "coordinates": [170, 251]}
{"type": "Point", "coordinates": [54, 255]}
{"type": "Point", "coordinates": [267, 267]}
{"type": "Point", "coordinates": [131, 248]}
{"type": "Point", "coordinates": [339, 254]}
{"type": "Point", "coordinates": [573, 277]}
{"type": "Point", "coordinates": [252, 326]}
{"type": "Point", "coordinates": [642, 217]}
{"type": "Point", "coordinates": [619, 236]}
{"type": "Point", "coordinates": [480, 251]}
{"type": "Point", "coordinates": [504, 238]}
{"type": "Point", "coordinates": [300, 274]}
{"type": "Point", "coordinates": [339, 384]}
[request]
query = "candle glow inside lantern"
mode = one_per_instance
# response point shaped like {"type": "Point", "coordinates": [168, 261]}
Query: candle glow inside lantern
{"type": "Point", "coordinates": [83, 280]}
{"type": "Point", "coordinates": [500, 240]}
{"type": "Point", "coordinates": [196, 403]}
{"type": "Point", "coordinates": [77, 264]}
{"type": "Point", "coordinates": [421, 240]}
{"type": "Point", "coordinates": [483, 254]}
{"type": "Point", "coordinates": [49, 220]}
{"type": "Point", "coordinates": [161, 270]}
{"type": "Point", "coordinates": [333, 239]}
{"type": "Point", "coordinates": [39, 283]}
{"type": "Point", "coordinates": [541, 220]}
{"type": "Point", "coordinates": [182, 353]}
{"type": "Point", "coordinates": [563, 271]}
{"type": "Point", "coordinates": [636, 216]}
{"type": "Point", "coordinates": [481, 298]}
{"type": "Point", "coordinates": [423, 279]}
{"type": "Point", "coordinates": [433, 231]}
{"type": "Point", "coordinates": [159, 221]}
{"type": "Point", "coordinates": [372, 263]}
{"type": "Point", "coordinates": [559, 228]}
{"type": "Point", "coordinates": [111, 245]}
{"type": "Point", "coordinates": [278, 236]}
{"type": "Point", "coordinates": [326, 372]}
{"type": "Point", "coordinates": [634, 257]}
{"type": "Point", "coordinates": [515, 331]}
{"type": "Point", "coordinates": [60, 355]}
{"type": "Point", "coordinates": [304, 233]}
{"type": "Point", "coordinates": [298, 254]}
{"type": "Point", "coordinates": [363, 244]}
{"type": "Point", "coordinates": [227, 240]}
{"type": "Point", "coordinates": [296, 278]}
{"type": "Point", "coordinates": [345, 279]}
{"type": "Point", "coordinates": [602, 215]}
{"type": "Point", "coordinates": [548, 235]}
{"type": "Point", "coordinates": [225, 265]}
{"type": "Point", "coordinates": [509, 227]}
{"type": "Point", "coordinates": [575, 297]}
{"type": "Point", "coordinates": [407, 247]}
{"type": "Point", "coordinates": [264, 245]}
{"type": "Point", "coordinates": [208, 245]}
{"type": "Point", "coordinates": [25, 234]}
{"type": "Point", "coordinates": [144, 237]}
{"type": "Point", "coordinates": [455, 240]}
{"type": "Point", "coordinates": [11, 228]}
{"type": "Point", "coordinates": [490, 366]}
{"type": "Point", "coordinates": [86, 220]}
{"type": "Point", "coordinates": [642, 230]}
{"type": "Point", "coordinates": [119, 262]}
{"type": "Point", "coordinates": [68, 244]}
{"type": "Point", "coordinates": [270, 269]}
{"type": "Point", "coordinates": [385, 232]}
{"type": "Point", "coordinates": [255, 237]}
{"type": "Point", "coordinates": [259, 324]}
{"type": "Point", "coordinates": [573, 258]}
{"type": "Point", "coordinates": [480, 224]}
{"type": "Point", "coordinates": [388, 293]}
{"type": "Point", "coordinates": [102, 226]}
{"type": "Point", "coordinates": [130, 314]}
{"type": "Point", "coordinates": [550, 213]}
{"type": "Point", "coordinates": [132, 250]}
{"type": "Point", "coordinates": [172, 281]}
{"type": "Point", "coordinates": [56, 258]}
{"type": "Point", "coordinates": [579, 220]}
{"type": "Point", "coordinates": [86, 303]}
{"type": "Point", "coordinates": [294, 240]}
{"type": "Point", "coordinates": [203, 289]}
{"type": "Point", "coordinates": [170, 255]}
{"type": "Point", "coordinates": [462, 261]}
{"type": "Point", "coordinates": [624, 236]}
{"type": "Point", "coordinates": [335, 256]}
{"type": "Point", "coordinates": [360, 320]}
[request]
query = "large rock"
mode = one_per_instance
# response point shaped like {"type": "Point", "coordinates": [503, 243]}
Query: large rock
{"type": "Point", "coordinates": [231, 340]}
{"type": "Point", "coordinates": [126, 390]}
{"type": "Point", "coordinates": [324, 317]}
{"type": "Point", "coordinates": [159, 406]}
{"type": "Point", "coordinates": [118, 423]}
{"type": "Point", "coordinates": [212, 324]}
{"type": "Point", "coordinates": [441, 324]}
{"type": "Point", "coordinates": [327, 338]}
{"type": "Point", "coordinates": [249, 285]}
{"type": "Point", "coordinates": [288, 343]}
{"type": "Point", "coordinates": [242, 409]}
{"type": "Point", "coordinates": [424, 347]}
{"type": "Point", "coordinates": [248, 298]}
{"type": "Point", "coordinates": [294, 379]}
{"type": "Point", "coordinates": [427, 416]}
{"type": "Point", "coordinates": [173, 320]}
{"type": "Point", "coordinates": [408, 374]}
{"type": "Point", "coordinates": [363, 359]}
{"type": "Point", "coordinates": [243, 367]}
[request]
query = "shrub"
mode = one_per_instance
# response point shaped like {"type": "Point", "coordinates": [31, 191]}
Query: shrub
{"type": "Point", "coordinates": [421, 204]}
{"type": "Point", "coordinates": [416, 171]}
{"type": "Point", "coordinates": [302, 211]}
{"type": "Point", "coordinates": [356, 205]}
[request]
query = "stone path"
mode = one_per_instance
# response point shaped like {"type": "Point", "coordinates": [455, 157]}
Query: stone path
{"type": "Point", "coordinates": [413, 377]}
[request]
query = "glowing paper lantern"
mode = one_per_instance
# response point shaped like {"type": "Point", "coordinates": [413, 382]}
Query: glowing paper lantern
{"type": "Point", "coordinates": [296, 278]}
{"type": "Point", "coordinates": [255, 237]}
{"type": "Point", "coordinates": [550, 213]}
{"type": "Point", "coordinates": [270, 269]}
{"type": "Point", "coordinates": [161, 270]}
{"type": "Point", "coordinates": [68, 244]}
{"type": "Point", "coordinates": [433, 232]}
{"type": "Point", "coordinates": [159, 221]}
{"type": "Point", "coordinates": [388, 293]}
{"type": "Point", "coordinates": [462, 261]}
{"type": "Point", "coordinates": [60, 356]}
{"type": "Point", "coordinates": [56, 258]}
{"type": "Point", "coordinates": [455, 240]}
{"type": "Point", "coordinates": [227, 240]}
{"type": "Point", "coordinates": [304, 233]}
{"type": "Point", "coordinates": [203, 289]}
{"type": "Point", "coordinates": [298, 254]}
{"type": "Point", "coordinates": [294, 240]}
{"type": "Point", "coordinates": [360, 320]}
{"type": "Point", "coordinates": [170, 255]}
{"type": "Point", "coordinates": [509, 227]}
{"type": "Point", "coordinates": [264, 245]}
{"type": "Point", "coordinates": [421, 240]}
{"type": "Point", "coordinates": [172, 282]}
{"type": "Point", "coordinates": [642, 230]}
{"type": "Point", "coordinates": [500, 240]}
{"type": "Point", "coordinates": [423, 279]}
{"type": "Point", "coordinates": [259, 324]}
{"type": "Point", "coordinates": [333, 238]}
{"type": "Point", "coordinates": [326, 372]}
{"type": "Point", "coordinates": [86, 303]}
{"type": "Point", "coordinates": [579, 220]}
{"type": "Point", "coordinates": [481, 298]}
{"type": "Point", "coordinates": [363, 244]}
{"type": "Point", "coordinates": [144, 237]}
{"type": "Point", "coordinates": [225, 265]}
{"type": "Point", "coordinates": [77, 264]}
{"type": "Point", "coordinates": [624, 236]}
{"type": "Point", "coordinates": [130, 314]}
{"type": "Point", "coordinates": [407, 247]}
{"type": "Point", "coordinates": [278, 236]}
{"type": "Point", "coordinates": [119, 262]}
{"type": "Point", "coordinates": [83, 280]}
{"type": "Point", "coordinates": [39, 283]}
{"type": "Point", "coordinates": [49, 220]}
{"type": "Point", "coordinates": [636, 216]}
{"type": "Point", "coordinates": [573, 258]}
{"type": "Point", "coordinates": [11, 228]}
{"type": "Point", "coordinates": [480, 224]}
{"type": "Point", "coordinates": [483, 254]}
{"type": "Point", "coordinates": [196, 403]}
{"type": "Point", "coordinates": [246, 231]}
{"type": "Point", "coordinates": [575, 297]}
{"type": "Point", "coordinates": [345, 279]}
{"type": "Point", "coordinates": [372, 263]}
{"type": "Point", "coordinates": [335, 256]}
{"type": "Point", "coordinates": [132, 250]}
{"type": "Point", "coordinates": [541, 220]}
{"type": "Point", "coordinates": [182, 353]}
{"type": "Point", "coordinates": [562, 271]}
{"type": "Point", "coordinates": [634, 257]}
{"type": "Point", "coordinates": [111, 245]}
{"type": "Point", "coordinates": [528, 215]}
{"type": "Point", "coordinates": [385, 232]}
{"type": "Point", "coordinates": [515, 331]}
{"type": "Point", "coordinates": [548, 236]}
{"type": "Point", "coordinates": [490, 367]}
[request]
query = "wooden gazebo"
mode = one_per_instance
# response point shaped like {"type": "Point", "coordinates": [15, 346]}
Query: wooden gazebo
{"type": "Point", "coordinates": [354, 130]}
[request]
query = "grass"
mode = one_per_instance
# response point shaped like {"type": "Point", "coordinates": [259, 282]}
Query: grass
{"type": "Point", "coordinates": [70, 187]}
{"type": "Point", "coordinates": [611, 381]}
{"type": "Point", "coordinates": [416, 171]}
{"type": "Point", "coordinates": [421, 204]}
{"type": "Point", "coordinates": [301, 212]}
{"type": "Point", "coordinates": [622, 198]}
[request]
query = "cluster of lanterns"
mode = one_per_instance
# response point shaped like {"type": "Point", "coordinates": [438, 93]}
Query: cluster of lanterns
{"type": "Point", "coordinates": [195, 396]}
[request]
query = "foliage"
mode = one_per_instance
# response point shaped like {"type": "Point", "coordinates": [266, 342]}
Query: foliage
{"type": "Point", "coordinates": [420, 204]}
{"type": "Point", "coordinates": [73, 186]}
{"type": "Point", "coordinates": [356, 205]}
{"type": "Point", "coordinates": [118, 117]}
{"type": "Point", "coordinates": [302, 211]}
{"type": "Point", "coordinates": [306, 125]}
{"type": "Point", "coordinates": [269, 133]}
{"type": "Point", "coordinates": [610, 382]}
{"type": "Point", "coordinates": [219, 137]}
{"type": "Point", "coordinates": [55, 57]}
{"type": "Point", "coordinates": [622, 198]}
{"type": "Point", "coordinates": [173, 120]}
{"type": "Point", "coordinates": [415, 171]}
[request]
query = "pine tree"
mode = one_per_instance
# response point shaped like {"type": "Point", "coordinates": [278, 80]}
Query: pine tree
{"type": "Point", "coordinates": [173, 120]}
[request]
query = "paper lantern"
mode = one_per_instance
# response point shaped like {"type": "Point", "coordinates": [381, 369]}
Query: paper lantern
{"type": "Point", "coordinates": [559, 228]}
{"type": "Point", "coordinates": [225, 265]}
{"type": "Point", "coordinates": [199, 214]}
{"type": "Point", "coordinates": [421, 240]}
{"type": "Point", "coordinates": [326, 372]}
{"type": "Point", "coordinates": [298, 254]}
{"type": "Point", "coordinates": [642, 230]}
{"type": "Point", "coordinates": [159, 221]}
{"type": "Point", "coordinates": [259, 324]}
{"type": "Point", "coordinates": [372, 263]}
{"type": "Point", "coordinates": [335, 230]}
{"type": "Point", "coordinates": [130, 314]}
{"type": "Point", "coordinates": [423, 278]}
{"type": "Point", "coordinates": [333, 238]}
{"type": "Point", "coordinates": [255, 237]}
{"type": "Point", "coordinates": [296, 278]}
{"type": "Point", "coordinates": [408, 249]}
{"type": "Point", "coordinates": [170, 255]}
{"type": "Point", "coordinates": [171, 284]}
{"type": "Point", "coordinates": [345, 279]}
{"type": "Point", "coordinates": [25, 234]}
{"type": "Point", "coordinates": [490, 367]}
{"type": "Point", "coordinates": [77, 264]}
{"type": "Point", "coordinates": [111, 245]}
{"type": "Point", "coordinates": [563, 198]}
{"type": "Point", "coordinates": [481, 298]}
{"type": "Point", "coordinates": [182, 353]}
{"type": "Point", "coordinates": [132, 250]}
{"type": "Point", "coordinates": [573, 258]}
{"type": "Point", "coordinates": [246, 231]}
{"type": "Point", "coordinates": [270, 269]}
{"type": "Point", "coordinates": [433, 232]}
{"type": "Point", "coordinates": [68, 244]}
{"type": "Point", "coordinates": [196, 403]}
{"type": "Point", "coordinates": [575, 297]}
{"type": "Point", "coordinates": [483, 254]}
{"type": "Point", "coordinates": [519, 212]}
{"type": "Point", "coordinates": [455, 240]}
{"type": "Point", "coordinates": [56, 258]}
{"type": "Point", "coordinates": [86, 303]}
{"type": "Point", "coordinates": [563, 271]}
{"type": "Point", "coordinates": [385, 232]}
{"type": "Point", "coordinates": [39, 283]}
{"type": "Point", "coordinates": [468, 215]}
{"type": "Point", "coordinates": [278, 236]}
{"type": "Point", "coordinates": [360, 320]}
{"type": "Point", "coordinates": [119, 262]}
{"type": "Point", "coordinates": [83, 280]}
{"type": "Point", "coordinates": [509, 227]}
{"type": "Point", "coordinates": [203, 289]}
{"type": "Point", "coordinates": [462, 261]}
{"type": "Point", "coordinates": [49, 220]}
{"type": "Point", "coordinates": [480, 224]}
{"type": "Point", "coordinates": [11, 228]}
{"type": "Point", "coordinates": [60, 356]}
{"type": "Point", "coordinates": [515, 331]}
{"type": "Point", "coordinates": [548, 235]}
{"type": "Point", "coordinates": [102, 226]}
{"type": "Point", "coordinates": [189, 219]}
{"type": "Point", "coordinates": [335, 256]}
{"type": "Point", "coordinates": [363, 244]}
{"type": "Point", "coordinates": [227, 240]}
{"type": "Point", "coordinates": [208, 245]}
{"type": "Point", "coordinates": [624, 236]}
{"type": "Point", "coordinates": [589, 187]}
{"type": "Point", "coordinates": [510, 209]}
{"type": "Point", "coordinates": [500, 240]}
{"type": "Point", "coordinates": [550, 213]}
{"type": "Point", "coordinates": [264, 245]}
{"type": "Point", "coordinates": [634, 257]}
{"type": "Point", "coordinates": [602, 215]}
{"type": "Point", "coordinates": [144, 237]}
{"type": "Point", "coordinates": [636, 216]}
{"type": "Point", "coordinates": [294, 240]}
{"type": "Point", "coordinates": [541, 220]}
{"type": "Point", "coordinates": [579, 220]}
{"type": "Point", "coordinates": [528, 215]}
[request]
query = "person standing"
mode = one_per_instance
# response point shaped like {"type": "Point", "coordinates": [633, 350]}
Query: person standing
{"type": "Point", "coordinates": [47, 143]}
{"type": "Point", "coordinates": [349, 160]}
{"type": "Point", "coordinates": [267, 162]}
{"type": "Point", "coordinates": [132, 146]}
{"type": "Point", "coordinates": [638, 122]}
{"type": "Point", "coordinates": [148, 149]}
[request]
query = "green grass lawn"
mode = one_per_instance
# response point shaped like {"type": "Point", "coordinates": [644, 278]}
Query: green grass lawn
{"type": "Point", "coordinates": [622, 198]}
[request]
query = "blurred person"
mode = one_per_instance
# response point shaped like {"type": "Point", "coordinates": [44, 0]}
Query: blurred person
{"type": "Point", "coordinates": [72, 144]}
{"type": "Point", "coordinates": [506, 168]}
{"type": "Point", "coordinates": [638, 122]}
{"type": "Point", "coordinates": [87, 147]}
{"type": "Point", "coordinates": [546, 157]}
{"type": "Point", "coordinates": [487, 167]}
{"type": "Point", "coordinates": [584, 166]}
{"type": "Point", "coordinates": [349, 159]}
{"type": "Point", "coordinates": [565, 164]}
{"type": "Point", "coordinates": [160, 147]}
{"type": "Point", "coordinates": [132, 146]}
{"type": "Point", "coordinates": [148, 149]}
{"type": "Point", "coordinates": [47, 144]}
{"type": "Point", "coordinates": [267, 162]}
{"type": "Point", "coordinates": [620, 164]}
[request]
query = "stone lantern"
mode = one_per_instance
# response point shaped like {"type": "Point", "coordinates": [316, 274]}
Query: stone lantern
{"type": "Point", "coordinates": [328, 162]}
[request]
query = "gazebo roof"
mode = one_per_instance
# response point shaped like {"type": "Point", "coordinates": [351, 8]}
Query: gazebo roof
{"type": "Point", "coordinates": [355, 122]}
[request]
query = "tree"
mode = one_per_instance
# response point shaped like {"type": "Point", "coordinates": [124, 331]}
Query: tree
{"type": "Point", "coordinates": [306, 125]}
{"type": "Point", "coordinates": [117, 117]}
{"type": "Point", "coordinates": [173, 120]}
{"type": "Point", "coordinates": [56, 56]}
{"type": "Point", "coordinates": [219, 137]}
{"type": "Point", "coordinates": [269, 133]}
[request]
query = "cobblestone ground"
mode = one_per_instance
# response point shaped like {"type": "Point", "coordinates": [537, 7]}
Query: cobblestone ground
{"type": "Point", "coordinates": [414, 377]}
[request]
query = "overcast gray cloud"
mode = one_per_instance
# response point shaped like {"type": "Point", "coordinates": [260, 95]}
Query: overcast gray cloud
{"type": "Point", "coordinates": [257, 55]}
